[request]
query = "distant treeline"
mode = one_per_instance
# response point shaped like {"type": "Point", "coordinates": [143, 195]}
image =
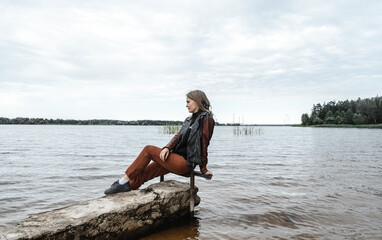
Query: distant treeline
{"type": "Point", "coordinates": [21, 120]}
{"type": "Point", "coordinates": [360, 111]}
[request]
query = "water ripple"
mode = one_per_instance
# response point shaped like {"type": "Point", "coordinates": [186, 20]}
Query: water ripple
{"type": "Point", "coordinates": [289, 183]}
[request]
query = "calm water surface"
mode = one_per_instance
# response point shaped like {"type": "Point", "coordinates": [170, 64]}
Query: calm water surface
{"type": "Point", "coordinates": [288, 183]}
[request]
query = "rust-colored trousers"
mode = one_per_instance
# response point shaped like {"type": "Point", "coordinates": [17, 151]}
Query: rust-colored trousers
{"type": "Point", "coordinates": [141, 170]}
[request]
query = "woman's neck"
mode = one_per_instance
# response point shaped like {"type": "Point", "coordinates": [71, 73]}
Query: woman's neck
{"type": "Point", "coordinates": [196, 114]}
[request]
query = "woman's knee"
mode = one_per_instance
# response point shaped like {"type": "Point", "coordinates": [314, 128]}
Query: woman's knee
{"type": "Point", "coordinates": [150, 149]}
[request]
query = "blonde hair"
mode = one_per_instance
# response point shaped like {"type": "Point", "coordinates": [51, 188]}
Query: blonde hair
{"type": "Point", "coordinates": [201, 99]}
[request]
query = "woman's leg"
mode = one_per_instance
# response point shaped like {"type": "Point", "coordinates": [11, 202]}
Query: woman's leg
{"type": "Point", "coordinates": [141, 171]}
{"type": "Point", "coordinates": [152, 170]}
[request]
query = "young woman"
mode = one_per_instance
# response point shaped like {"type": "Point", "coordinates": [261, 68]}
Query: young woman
{"type": "Point", "coordinates": [186, 149]}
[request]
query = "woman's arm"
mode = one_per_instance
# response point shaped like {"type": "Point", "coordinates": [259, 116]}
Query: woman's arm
{"type": "Point", "coordinates": [166, 149]}
{"type": "Point", "coordinates": [170, 145]}
{"type": "Point", "coordinates": [208, 129]}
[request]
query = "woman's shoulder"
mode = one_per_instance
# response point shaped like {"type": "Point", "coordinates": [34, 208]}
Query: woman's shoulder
{"type": "Point", "coordinates": [207, 115]}
{"type": "Point", "coordinates": [202, 115]}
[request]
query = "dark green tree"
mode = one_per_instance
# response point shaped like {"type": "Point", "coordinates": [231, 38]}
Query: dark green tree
{"type": "Point", "coordinates": [337, 117]}
{"type": "Point", "coordinates": [338, 120]}
{"type": "Point", "coordinates": [378, 111]}
{"type": "Point", "coordinates": [305, 120]}
{"type": "Point", "coordinates": [348, 118]}
{"type": "Point", "coordinates": [358, 118]}
{"type": "Point", "coordinates": [316, 110]}
{"type": "Point", "coordinates": [329, 117]}
{"type": "Point", "coordinates": [316, 120]}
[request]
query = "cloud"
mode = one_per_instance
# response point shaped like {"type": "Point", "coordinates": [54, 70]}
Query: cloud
{"type": "Point", "coordinates": [115, 53]}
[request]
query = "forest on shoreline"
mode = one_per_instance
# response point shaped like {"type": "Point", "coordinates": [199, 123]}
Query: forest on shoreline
{"type": "Point", "coordinates": [45, 121]}
{"type": "Point", "coordinates": [353, 112]}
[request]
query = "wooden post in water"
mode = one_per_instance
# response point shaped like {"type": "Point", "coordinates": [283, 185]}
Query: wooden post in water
{"type": "Point", "coordinates": [192, 193]}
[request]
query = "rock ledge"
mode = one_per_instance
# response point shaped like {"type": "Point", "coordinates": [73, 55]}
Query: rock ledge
{"type": "Point", "coordinates": [118, 216]}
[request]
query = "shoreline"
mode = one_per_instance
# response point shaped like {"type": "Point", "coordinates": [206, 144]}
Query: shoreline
{"type": "Point", "coordinates": [369, 126]}
{"type": "Point", "coordinates": [110, 122]}
{"type": "Point", "coordinates": [158, 125]}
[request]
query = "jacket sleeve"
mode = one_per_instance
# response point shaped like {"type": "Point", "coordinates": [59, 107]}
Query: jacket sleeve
{"type": "Point", "coordinates": [172, 144]}
{"type": "Point", "coordinates": [208, 129]}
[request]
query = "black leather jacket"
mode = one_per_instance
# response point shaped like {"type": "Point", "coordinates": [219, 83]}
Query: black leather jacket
{"type": "Point", "coordinates": [194, 142]}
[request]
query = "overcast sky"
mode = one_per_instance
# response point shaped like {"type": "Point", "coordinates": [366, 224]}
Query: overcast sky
{"type": "Point", "coordinates": [260, 61]}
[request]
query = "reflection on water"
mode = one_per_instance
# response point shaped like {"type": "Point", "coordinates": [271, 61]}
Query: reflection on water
{"type": "Point", "coordinates": [288, 183]}
{"type": "Point", "coordinates": [187, 229]}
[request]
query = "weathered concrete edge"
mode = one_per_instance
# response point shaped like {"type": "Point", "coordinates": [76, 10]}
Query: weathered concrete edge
{"type": "Point", "coordinates": [117, 216]}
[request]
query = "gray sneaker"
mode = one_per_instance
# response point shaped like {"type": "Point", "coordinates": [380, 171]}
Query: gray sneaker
{"type": "Point", "coordinates": [116, 188]}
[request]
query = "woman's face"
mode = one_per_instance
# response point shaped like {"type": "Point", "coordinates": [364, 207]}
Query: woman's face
{"type": "Point", "coordinates": [192, 106]}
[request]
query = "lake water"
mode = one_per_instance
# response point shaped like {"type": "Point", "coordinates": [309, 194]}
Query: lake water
{"type": "Point", "coordinates": [288, 183]}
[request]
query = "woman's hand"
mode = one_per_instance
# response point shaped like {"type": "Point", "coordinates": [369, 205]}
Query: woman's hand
{"type": "Point", "coordinates": [209, 173]}
{"type": "Point", "coordinates": [164, 154]}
